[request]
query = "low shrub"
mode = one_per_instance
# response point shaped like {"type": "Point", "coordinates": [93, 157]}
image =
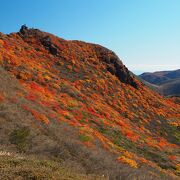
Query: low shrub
{"type": "Point", "coordinates": [20, 137]}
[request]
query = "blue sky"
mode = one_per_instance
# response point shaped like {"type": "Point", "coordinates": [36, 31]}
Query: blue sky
{"type": "Point", "coordinates": [145, 34]}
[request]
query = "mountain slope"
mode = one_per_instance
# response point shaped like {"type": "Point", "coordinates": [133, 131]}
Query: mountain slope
{"type": "Point", "coordinates": [77, 102]}
{"type": "Point", "coordinates": [164, 82]}
{"type": "Point", "coordinates": [160, 77]}
{"type": "Point", "coordinates": [171, 87]}
{"type": "Point", "coordinates": [34, 168]}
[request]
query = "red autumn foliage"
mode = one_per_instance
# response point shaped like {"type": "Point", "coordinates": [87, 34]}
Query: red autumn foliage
{"type": "Point", "coordinates": [74, 84]}
{"type": "Point", "coordinates": [1, 98]}
{"type": "Point", "coordinates": [172, 158]}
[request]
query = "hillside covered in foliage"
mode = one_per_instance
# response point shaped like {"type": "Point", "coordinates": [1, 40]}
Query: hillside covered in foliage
{"type": "Point", "coordinates": [76, 103]}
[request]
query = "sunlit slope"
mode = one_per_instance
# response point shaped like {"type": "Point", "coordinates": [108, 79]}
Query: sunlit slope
{"type": "Point", "coordinates": [85, 87]}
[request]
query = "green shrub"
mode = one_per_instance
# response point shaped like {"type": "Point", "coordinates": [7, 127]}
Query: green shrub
{"type": "Point", "coordinates": [84, 138]}
{"type": "Point", "coordinates": [20, 137]}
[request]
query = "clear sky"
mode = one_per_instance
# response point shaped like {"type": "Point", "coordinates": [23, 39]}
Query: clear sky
{"type": "Point", "coordinates": [145, 34]}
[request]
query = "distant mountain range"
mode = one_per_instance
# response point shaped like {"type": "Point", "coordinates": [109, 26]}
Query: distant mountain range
{"type": "Point", "coordinates": [164, 82]}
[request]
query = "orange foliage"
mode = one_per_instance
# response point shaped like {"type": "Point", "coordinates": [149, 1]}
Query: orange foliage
{"type": "Point", "coordinates": [172, 158]}
{"type": "Point", "coordinates": [1, 98]}
{"type": "Point", "coordinates": [75, 87]}
{"type": "Point", "coordinates": [128, 161]}
{"type": "Point", "coordinates": [38, 116]}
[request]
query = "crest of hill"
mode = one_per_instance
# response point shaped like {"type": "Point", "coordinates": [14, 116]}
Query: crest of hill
{"type": "Point", "coordinates": [76, 102]}
{"type": "Point", "coordinates": [55, 46]}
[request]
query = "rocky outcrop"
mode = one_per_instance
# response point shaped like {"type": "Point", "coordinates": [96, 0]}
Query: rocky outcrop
{"type": "Point", "coordinates": [23, 29]}
{"type": "Point", "coordinates": [46, 42]}
{"type": "Point", "coordinates": [115, 66]}
{"type": "Point", "coordinates": [41, 36]}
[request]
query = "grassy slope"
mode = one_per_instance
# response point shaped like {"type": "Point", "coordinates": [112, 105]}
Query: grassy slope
{"type": "Point", "coordinates": [18, 167]}
{"type": "Point", "coordinates": [54, 148]}
{"type": "Point", "coordinates": [114, 129]}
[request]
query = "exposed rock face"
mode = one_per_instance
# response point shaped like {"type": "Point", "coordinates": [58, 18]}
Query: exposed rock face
{"type": "Point", "coordinates": [23, 29]}
{"type": "Point", "coordinates": [43, 38]}
{"type": "Point", "coordinates": [115, 66]}
{"type": "Point", "coordinates": [46, 42]}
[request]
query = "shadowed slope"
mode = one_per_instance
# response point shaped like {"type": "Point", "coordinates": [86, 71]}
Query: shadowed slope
{"type": "Point", "coordinates": [165, 82]}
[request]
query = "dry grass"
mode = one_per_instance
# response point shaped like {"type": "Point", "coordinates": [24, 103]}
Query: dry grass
{"type": "Point", "coordinates": [34, 169]}
{"type": "Point", "coordinates": [59, 142]}
{"type": "Point", "coordinates": [66, 158]}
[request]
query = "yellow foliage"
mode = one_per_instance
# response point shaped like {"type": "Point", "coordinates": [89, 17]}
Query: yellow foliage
{"type": "Point", "coordinates": [175, 124]}
{"type": "Point", "coordinates": [128, 154]}
{"type": "Point", "coordinates": [128, 161]}
{"type": "Point", "coordinates": [178, 168]}
{"type": "Point", "coordinates": [46, 77]}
